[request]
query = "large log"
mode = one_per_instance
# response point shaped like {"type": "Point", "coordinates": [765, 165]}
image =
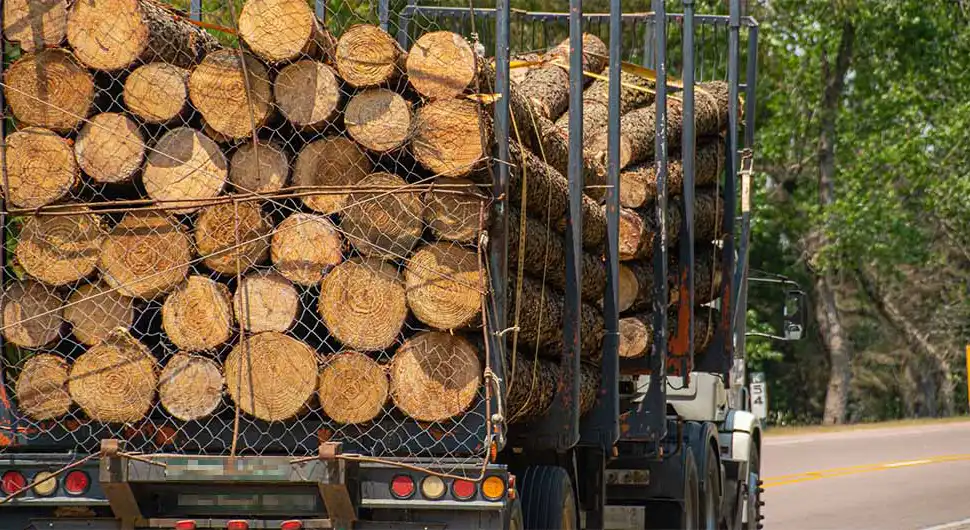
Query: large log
{"type": "Point", "coordinates": [95, 310]}
{"type": "Point", "coordinates": [184, 169]}
{"type": "Point", "coordinates": [271, 376]}
{"type": "Point", "coordinates": [451, 137]}
{"type": "Point", "coordinates": [444, 285]}
{"type": "Point", "coordinates": [637, 336]}
{"type": "Point", "coordinates": [146, 254]}
{"type": "Point", "coordinates": [32, 314]}
{"type": "Point", "coordinates": [304, 248]}
{"type": "Point", "coordinates": [441, 65]}
{"type": "Point", "coordinates": [378, 119]}
{"type": "Point", "coordinates": [367, 56]}
{"type": "Point", "coordinates": [635, 92]}
{"type": "Point", "coordinates": [49, 89]}
{"type": "Point", "coordinates": [452, 214]}
{"type": "Point", "coordinates": [707, 278]}
{"type": "Point", "coordinates": [157, 92]}
{"type": "Point", "coordinates": [307, 93]}
{"type": "Point", "coordinates": [333, 161]}
{"type": "Point", "coordinates": [232, 102]}
{"type": "Point", "coordinates": [115, 380]}
{"type": "Point", "coordinates": [113, 34]}
{"type": "Point", "coordinates": [547, 87]}
{"type": "Point", "coordinates": [283, 30]}
{"type": "Point", "coordinates": [531, 388]}
{"type": "Point", "coordinates": [363, 303]}
{"type": "Point", "coordinates": [59, 250]}
{"type": "Point", "coordinates": [435, 376]}
{"type": "Point", "coordinates": [41, 168]}
{"type": "Point", "coordinates": [35, 24]}
{"type": "Point", "coordinates": [198, 315]}
{"type": "Point", "coordinates": [353, 388]}
{"type": "Point", "coordinates": [708, 215]}
{"type": "Point", "coordinates": [589, 386]}
{"type": "Point", "coordinates": [638, 230]}
{"type": "Point", "coordinates": [110, 148]}
{"type": "Point", "coordinates": [265, 302]}
{"type": "Point", "coordinates": [232, 238]}
{"type": "Point", "coordinates": [638, 282]}
{"type": "Point", "coordinates": [190, 387]}
{"type": "Point", "coordinates": [41, 388]}
{"type": "Point", "coordinates": [261, 167]}
{"type": "Point", "coordinates": [638, 184]}
{"type": "Point", "coordinates": [541, 319]}
{"type": "Point", "coordinates": [385, 222]}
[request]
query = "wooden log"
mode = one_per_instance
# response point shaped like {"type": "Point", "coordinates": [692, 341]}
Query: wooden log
{"type": "Point", "coordinates": [41, 388]}
{"type": "Point", "coordinates": [95, 310]}
{"type": "Point", "coordinates": [59, 250]}
{"type": "Point", "coordinates": [541, 317]}
{"type": "Point", "coordinates": [157, 92]}
{"type": "Point", "coordinates": [146, 255]}
{"type": "Point", "coordinates": [115, 380]}
{"type": "Point", "coordinates": [32, 314]}
{"type": "Point", "coordinates": [635, 92]}
{"type": "Point", "coordinates": [531, 388]}
{"type": "Point", "coordinates": [636, 336]}
{"type": "Point", "coordinates": [454, 216]}
{"type": "Point", "coordinates": [232, 238]}
{"type": "Point", "coordinates": [704, 326]}
{"type": "Point", "coordinates": [363, 303]}
{"type": "Point", "coordinates": [198, 315]}
{"type": "Point", "coordinates": [378, 119]}
{"type": "Point", "coordinates": [708, 215]}
{"type": "Point", "coordinates": [304, 248]}
{"type": "Point", "coordinates": [547, 87]}
{"type": "Point", "coordinates": [707, 279]}
{"type": "Point", "coordinates": [638, 229]}
{"type": "Point", "coordinates": [444, 285]}
{"type": "Point", "coordinates": [113, 34]}
{"type": "Point", "coordinates": [184, 169]}
{"type": "Point", "coordinates": [333, 161]}
{"type": "Point", "coordinates": [307, 93]}
{"type": "Point", "coordinates": [283, 30]}
{"type": "Point", "coordinates": [384, 222]}
{"type": "Point", "coordinates": [638, 284]}
{"type": "Point", "coordinates": [367, 56]}
{"type": "Point", "coordinates": [41, 168]}
{"type": "Point", "coordinates": [190, 387]}
{"type": "Point", "coordinates": [353, 388]}
{"type": "Point", "coordinates": [261, 167]}
{"type": "Point", "coordinates": [638, 183]}
{"type": "Point", "coordinates": [522, 64]}
{"type": "Point", "coordinates": [265, 302]}
{"type": "Point", "coordinates": [589, 386]}
{"type": "Point", "coordinates": [110, 148]}
{"type": "Point", "coordinates": [627, 287]}
{"type": "Point", "coordinates": [35, 24]}
{"type": "Point", "coordinates": [451, 137]}
{"type": "Point", "coordinates": [441, 65]}
{"type": "Point", "coordinates": [435, 376]}
{"type": "Point", "coordinates": [271, 376]}
{"type": "Point", "coordinates": [49, 89]}
{"type": "Point", "coordinates": [232, 102]}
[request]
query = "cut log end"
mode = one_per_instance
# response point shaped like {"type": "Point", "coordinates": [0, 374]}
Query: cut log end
{"type": "Point", "coordinates": [145, 255]}
{"type": "Point", "coordinates": [353, 388]}
{"type": "Point", "coordinates": [305, 247]}
{"type": "Point", "coordinates": [35, 24]}
{"type": "Point", "coordinates": [41, 389]}
{"type": "Point", "coordinates": [110, 148]}
{"type": "Point", "coordinates": [362, 303]}
{"type": "Point", "coordinates": [636, 336]}
{"type": "Point", "coordinates": [157, 92]}
{"type": "Point", "coordinates": [231, 238]}
{"type": "Point", "coordinates": [190, 387]}
{"type": "Point", "coordinates": [49, 89]}
{"type": "Point", "coordinates": [450, 137]}
{"type": "Point", "coordinates": [452, 214]}
{"type": "Point", "coordinates": [335, 161]}
{"type": "Point", "coordinates": [271, 376]}
{"type": "Point", "coordinates": [378, 119]}
{"type": "Point", "coordinates": [95, 310]}
{"type": "Point", "coordinates": [443, 286]}
{"type": "Point", "coordinates": [266, 302]}
{"type": "Point", "coordinates": [184, 169]}
{"type": "Point", "coordinates": [307, 93]}
{"type": "Point", "coordinates": [41, 168]}
{"type": "Point", "coordinates": [31, 314]}
{"type": "Point", "coordinates": [384, 222]}
{"type": "Point", "coordinates": [198, 315]}
{"type": "Point", "coordinates": [441, 65]}
{"type": "Point", "coordinates": [435, 376]}
{"type": "Point", "coordinates": [114, 381]}
{"type": "Point", "coordinates": [59, 250]}
{"type": "Point", "coordinates": [259, 168]}
{"type": "Point", "coordinates": [282, 30]}
{"type": "Point", "coordinates": [367, 56]}
{"type": "Point", "coordinates": [230, 103]}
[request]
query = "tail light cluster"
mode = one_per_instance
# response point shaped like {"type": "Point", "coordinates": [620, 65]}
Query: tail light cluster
{"type": "Point", "coordinates": [433, 488]}
{"type": "Point", "coordinates": [238, 525]}
{"type": "Point", "coordinates": [45, 484]}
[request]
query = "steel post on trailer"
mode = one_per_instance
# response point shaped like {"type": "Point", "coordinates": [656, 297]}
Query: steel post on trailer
{"type": "Point", "coordinates": [404, 23]}
{"type": "Point", "coordinates": [383, 13]}
{"type": "Point", "coordinates": [195, 10]}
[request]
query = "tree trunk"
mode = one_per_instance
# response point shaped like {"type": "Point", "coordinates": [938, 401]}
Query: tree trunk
{"type": "Point", "coordinates": [265, 302]}
{"type": "Point", "coordinates": [59, 250]}
{"type": "Point", "coordinates": [114, 381]}
{"type": "Point", "coordinates": [110, 148]}
{"type": "Point", "coordinates": [232, 238]}
{"type": "Point", "coordinates": [262, 167]}
{"type": "Point", "coordinates": [444, 285]}
{"type": "Point", "coordinates": [435, 376]}
{"type": "Point", "coordinates": [836, 342]}
{"type": "Point", "coordinates": [147, 254]}
{"type": "Point", "coordinates": [308, 94]}
{"type": "Point", "coordinates": [41, 168]}
{"type": "Point", "coordinates": [531, 388]}
{"type": "Point", "coordinates": [451, 137]}
{"type": "Point", "coordinates": [638, 184]}
{"type": "Point", "coordinates": [31, 314]}
{"type": "Point", "coordinates": [283, 30]}
{"type": "Point", "coordinates": [94, 310]}
{"type": "Point", "coordinates": [441, 65]}
{"type": "Point", "coordinates": [41, 389]}
{"type": "Point", "coordinates": [190, 387]}
{"type": "Point", "coordinates": [198, 315]}
{"type": "Point", "coordinates": [331, 161]}
{"type": "Point", "coordinates": [379, 120]}
{"type": "Point", "coordinates": [271, 376]}
{"type": "Point", "coordinates": [304, 248]}
{"type": "Point", "coordinates": [363, 303]}
{"type": "Point", "coordinates": [157, 92]}
{"type": "Point", "coordinates": [547, 87]}
{"type": "Point", "coordinates": [453, 215]}
{"type": "Point", "coordinates": [541, 319]}
{"type": "Point", "coordinates": [638, 229]}
{"type": "Point", "coordinates": [184, 169]}
{"type": "Point", "coordinates": [35, 24]}
{"type": "Point", "coordinates": [233, 92]}
{"type": "Point", "coordinates": [596, 103]}
{"type": "Point", "coordinates": [353, 388]}
{"type": "Point", "coordinates": [367, 56]}
{"type": "Point", "coordinates": [384, 223]}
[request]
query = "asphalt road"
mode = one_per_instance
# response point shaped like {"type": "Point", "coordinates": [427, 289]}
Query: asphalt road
{"type": "Point", "coordinates": [894, 478]}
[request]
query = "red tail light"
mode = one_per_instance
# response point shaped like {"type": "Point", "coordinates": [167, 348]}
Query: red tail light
{"type": "Point", "coordinates": [237, 525]}
{"type": "Point", "coordinates": [185, 525]}
{"type": "Point", "coordinates": [77, 482]}
{"type": "Point", "coordinates": [402, 486]}
{"type": "Point", "coordinates": [291, 525]}
{"type": "Point", "coordinates": [463, 489]}
{"type": "Point", "coordinates": [12, 482]}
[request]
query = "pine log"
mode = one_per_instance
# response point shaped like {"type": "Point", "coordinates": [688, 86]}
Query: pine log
{"type": "Point", "coordinates": [232, 103]}
{"type": "Point", "coordinates": [59, 250]}
{"type": "Point", "coordinates": [708, 215]}
{"type": "Point", "coordinates": [589, 386]}
{"type": "Point", "coordinates": [112, 34]}
{"type": "Point", "coordinates": [541, 319]}
{"type": "Point", "coordinates": [146, 254]}
{"type": "Point", "coordinates": [283, 30]}
{"type": "Point", "coordinates": [265, 302]}
{"type": "Point", "coordinates": [547, 87]}
{"type": "Point", "coordinates": [271, 376]}
{"type": "Point", "coordinates": [190, 387]}
{"type": "Point", "coordinates": [451, 137]}
{"type": "Point", "coordinates": [367, 56]}
{"type": "Point", "coordinates": [304, 248]}
{"type": "Point", "coordinates": [35, 24]}
{"type": "Point", "coordinates": [158, 92]}
{"type": "Point", "coordinates": [444, 284]}
{"type": "Point", "coordinates": [41, 388]}
{"type": "Point", "coordinates": [115, 380]}
{"type": "Point", "coordinates": [596, 103]}
{"type": "Point", "coordinates": [384, 222]}
{"type": "Point", "coordinates": [638, 184]}
{"type": "Point", "coordinates": [636, 336]}
{"type": "Point", "coordinates": [41, 168]}
{"type": "Point", "coordinates": [531, 388]}
{"type": "Point", "coordinates": [232, 238]}
{"type": "Point", "coordinates": [526, 63]}
{"type": "Point", "coordinates": [627, 287]}
{"type": "Point", "coordinates": [441, 65]}
{"type": "Point", "coordinates": [307, 93]}
{"type": "Point", "coordinates": [363, 303]}
{"type": "Point", "coordinates": [184, 169]}
{"type": "Point", "coordinates": [49, 89]}
{"type": "Point", "coordinates": [707, 279]}
{"type": "Point", "coordinates": [435, 376]}
{"type": "Point", "coordinates": [378, 119]}
{"type": "Point", "coordinates": [704, 327]}
{"type": "Point", "coordinates": [353, 388]}
{"type": "Point", "coordinates": [638, 229]}
{"type": "Point", "coordinates": [32, 314]}
{"type": "Point", "coordinates": [198, 315]}
{"type": "Point", "coordinates": [95, 310]}
{"type": "Point", "coordinates": [333, 161]}
{"type": "Point", "coordinates": [261, 167]}
{"type": "Point", "coordinates": [110, 148]}
{"type": "Point", "coordinates": [639, 283]}
{"type": "Point", "coordinates": [452, 214]}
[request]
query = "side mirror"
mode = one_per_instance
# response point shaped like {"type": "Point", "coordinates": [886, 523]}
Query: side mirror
{"type": "Point", "coordinates": [794, 312]}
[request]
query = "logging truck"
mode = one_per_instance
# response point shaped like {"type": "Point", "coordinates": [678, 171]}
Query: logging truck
{"type": "Point", "coordinates": [293, 264]}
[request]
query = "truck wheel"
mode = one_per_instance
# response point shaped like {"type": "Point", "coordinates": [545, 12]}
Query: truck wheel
{"type": "Point", "coordinates": [668, 515]}
{"type": "Point", "coordinates": [753, 502]}
{"type": "Point", "coordinates": [548, 501]}
{"type": "Point", "coordinates": [710, 508]}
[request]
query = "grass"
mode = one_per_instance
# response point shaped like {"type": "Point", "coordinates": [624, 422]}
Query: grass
{"type": "Point", "coordinates": [812, 429]}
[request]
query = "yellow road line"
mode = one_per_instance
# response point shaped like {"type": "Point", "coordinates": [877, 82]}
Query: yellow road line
{"type": "Point", "coordinates": [782, 480]}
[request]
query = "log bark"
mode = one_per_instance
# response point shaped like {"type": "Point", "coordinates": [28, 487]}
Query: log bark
{"type": "Point", "coordinates": [451, 137]}
{"type": "Point", "coordinates": [265, 302]}
{"type": "Point", "coordinates": [334, 161]}
{"type": "Point", "coordinates": [453, 216]}
{"type": "Point", "coordinates": [114, 381]}
{"type": "Point", "coordinates": [146, 254]}
{"type": "Point", "coordinates": [384, 223]}
{"type": "Point", "coordinates": [261, 167]}
{"type": "Point", "coordinates": [378, 119]}
{"type": "Point", "coordinates": [41, 388]}
{"type": "Point", "coordinates": [49, 89]}
{"type": "Point", "coordinates": [284, 30]}
{"type": "Point", "coordinates": [363, 304]}
{"type": "Point", "coordinates": [32, 314]}
{"type": "Point", "coordinates": [190, 387]}
{"type": "Point", "coordinates": [112, 34]}
{"type": "Point", "coordinates": [198, 315]}
{"type": "Point", "coordinates": [271, 376]}
{"type": "Point", "coordinates": [435, 376]}
{"type": "Point", "coordinates": [530, 62]}
{"type": "Point", "coordinates": [59, 250]}
{"type": "Point", "coordinates": [596, 103]}
{"type": "Point", "coordinates": [110, 148]}
{"type": "Point", "coordinates": [35, 24]}
{"type": "Point", "coordinates": [232, 91]}
{"type": "Point", "coordinates": [547, 87]}
{"type": "Point", "coordinates": [638, 184]}
{"type": "Point", "coordinates": [232, 238]}
{"type": "Point", "coordinates": [307, 93]}
{"type": "Point", "coordinates": [638, 229]}
{"type": "Point", "coordinates": [541, 317]}
{"type": "Point", "coordinates": [304, 248]}
{"type": "Point", "coordinates": [444, 284]}
{"type": "Point", "coordinates": [41, 168]}
{"type": "Point", "coordinates": [441, 65]}
{"type": "Point", "coordinates": [708, 215]}
{"type": "Point", "coordinates": [353, 388]}
{"type": "Point", "coordinates": [589, 385]}
{"type": "Point", "coordinates": [95, 310]}
{"type": "Point", "coordinates": [707, 279]}
{"type": "Point", "coordinates": [367, 56]}
{"type": "Point", "coordinates": [157, 92]}
{"type": "Point", "coordinates": [531, 388]}
{"type": "Point", "coordinates": [184, 169]}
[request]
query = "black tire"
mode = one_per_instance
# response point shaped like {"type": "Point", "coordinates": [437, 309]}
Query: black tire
{"type": "Point", "coordinates": [513, 518]}
{"type": "Point", "coordinates": [710, 506]}
{"type": "Point", "coordinates": [668, 515]}
{"type": "Point", "coordinates": [548, 501]}
{"type": "Point", "coordinates": [755, 491]}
